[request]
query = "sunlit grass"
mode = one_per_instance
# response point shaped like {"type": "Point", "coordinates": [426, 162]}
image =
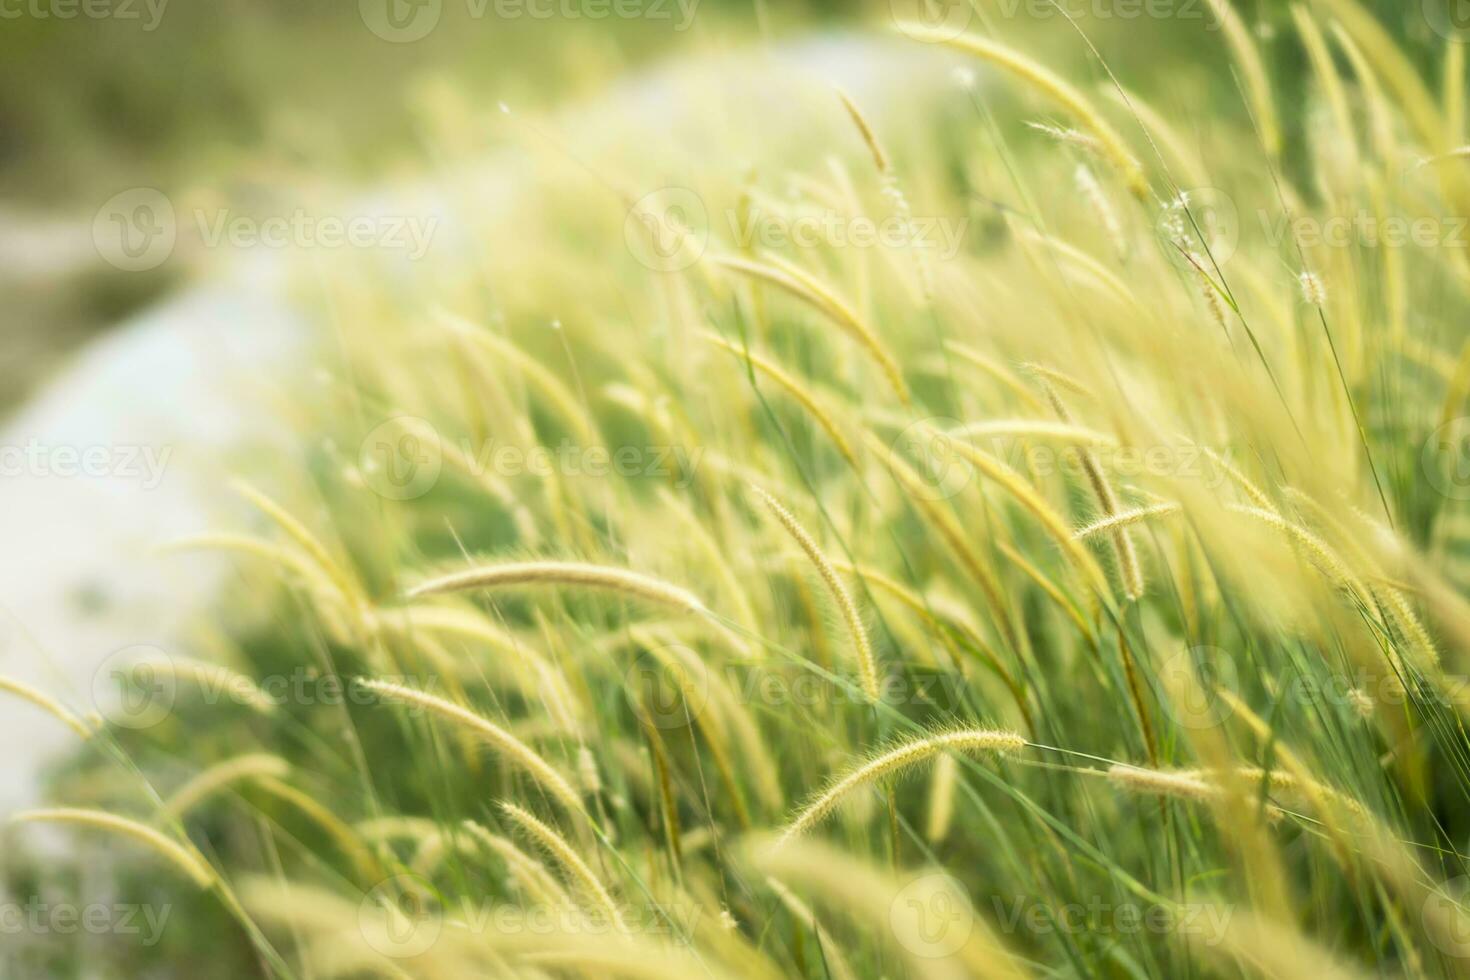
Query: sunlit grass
{"type": "Point", "coordinates": [1136, 521]}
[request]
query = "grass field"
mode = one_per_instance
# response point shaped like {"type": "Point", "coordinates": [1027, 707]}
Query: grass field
{"type": "Point", "coordinates": [1019, 529]}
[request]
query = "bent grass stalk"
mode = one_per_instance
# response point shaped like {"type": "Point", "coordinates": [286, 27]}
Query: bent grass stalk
{"type": "Point", "coordinates": [1078, 260]}
{"type": "Point", "coordinates": [1319, 552]}
{"type": "Point", "coordinates": [867, 663]}
{"type": "Point", "coordinates": [796, 390]}
{"type": "Point", "coordinates": [1052, 590]}
{"type": "Point", "coordinates": [832, 957]}
{"type": "Point", "coordinates": [214, 679]}
{"type": "Point", "coordinates": [511, 748]}
{"type": "Point", "coordinates": [1161, 782]}
{"type": "Point", "coordinates": [1048, 83]}
{"type": "Point", "coordinates": [556, 392]}
{"type": "Point", "coordinates": [1390, 595]}
{"type": "Point", "coordinates": [1255, 493]}
{"type": "Point", "coordinates": [1061, 379]}
{"type": "Point", "coordinates": [994, 369]}
{"type": "Point", "coordinates": [1125, 518]}
{"type": "Point", "coordinates": [338, 830]}
{"type": "Point", "coordinates": [1107, 501]}
{"type": "Point", "coordinates": [1026, 495]}
{"type": "Point", "coordinates": [308, 570]}
{"type": "Point", "coordinates": [1204, 784]}
{"type": "Point", "coordinates": [1039, 428]}
{"type": "Point", "coordinates": [47, 704]}
{"type": "Point", "coordinates": [556, 845]}
{"type": "Point", "coordinates": [217, 777]}
{"type": "Point", "coordinates": [949, 529]}
{"type": "Point", "coordinates": [930, 611]}
{"type": "Point", "coordinates": [577, 574]}
{"type": "Point", "coordinates": [183, 857]}
{"type": "Point", "coordinates": [304, 539]}
{"type": "Point", "coordinates": [893, 762]}
{"type": "Point", "coordinates": [806, 287]}
{"type": "Point", "coordinates": [865, 130]}
{"type": "Point", "coordinates": [531, 873]}
{"type": "Point", "coordinates": [1258, 85]}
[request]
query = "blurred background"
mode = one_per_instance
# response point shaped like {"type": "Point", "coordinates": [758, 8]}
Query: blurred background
{"type": "Point", "coordinates": [228, 96]}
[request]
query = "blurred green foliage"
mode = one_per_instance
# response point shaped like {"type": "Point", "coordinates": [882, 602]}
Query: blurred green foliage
{"type": "Point", "coordinates": [163, 91]}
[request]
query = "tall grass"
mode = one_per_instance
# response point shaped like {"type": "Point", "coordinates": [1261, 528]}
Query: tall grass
{"type": "Point", "coordinates": [1180, 500]}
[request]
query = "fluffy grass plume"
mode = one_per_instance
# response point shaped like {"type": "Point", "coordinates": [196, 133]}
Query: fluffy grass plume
{"type": "Point", "coordinates": [564, 854]}
{"type": "Point", "coordinates": [894, 762]}
{"type": "Point", "coordinates": [560, 573]}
